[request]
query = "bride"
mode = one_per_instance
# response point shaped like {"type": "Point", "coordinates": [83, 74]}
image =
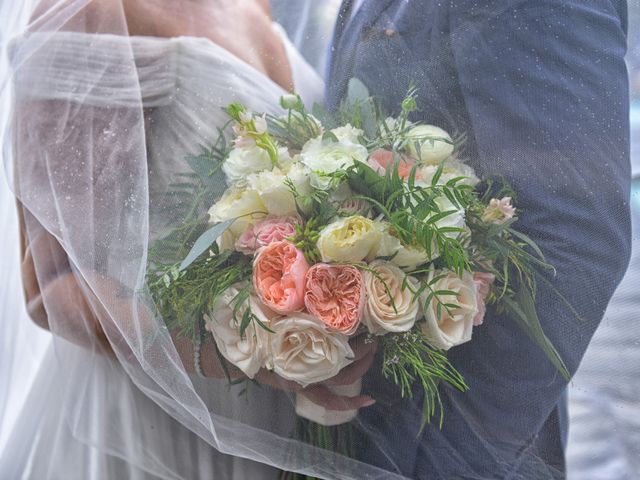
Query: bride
{"type": "Point", "coordinates": [110, 98]}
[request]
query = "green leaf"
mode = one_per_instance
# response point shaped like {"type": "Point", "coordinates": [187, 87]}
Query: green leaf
{"type": "Point", "coordinates": [329, 136]}
{"type": "Point", "coordinates": [246, 320]}
{"type": "Point", "coordinates": [357, 92]}
{"type": "Point", "coordinates": [528, 241]}
{"type": "Point", "coordinates": [524, 312]}
{"type": "Point", "coordinates": [204, 242]}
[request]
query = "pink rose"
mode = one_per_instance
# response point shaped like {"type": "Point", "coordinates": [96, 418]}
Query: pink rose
{"type": "Point", "coordinates": [483, 281]}
{"type": "Point", "coordinates": [381, 159]}
{"type": "Point", "coordinates": [279, 271]}
{"type": "Point", "coordinates": [336, 295]}
{"type": "Point", "coordinates": [355, 206]}
{"type": "Point", "coordinates": [499, 211]}
{"type": "Point", "coordinates": [267, 231]}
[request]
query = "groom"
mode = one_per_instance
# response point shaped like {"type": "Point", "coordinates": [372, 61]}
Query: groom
{"type": "Point", "coordinates": [540, 88]}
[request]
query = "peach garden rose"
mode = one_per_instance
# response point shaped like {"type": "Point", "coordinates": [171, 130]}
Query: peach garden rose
{"type": "Point", "coordinates": [381, 159]}
{"type": "Point", "coordinates": [335, 294]}
{"type": "Point", "coordinates": [279, 271]}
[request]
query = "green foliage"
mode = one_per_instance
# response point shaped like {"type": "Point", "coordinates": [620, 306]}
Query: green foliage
{"type": "Point", "coordinates": [408, 358]}
{"type": "Point", "coordinates": [293, 129]}
{"type": "Point", "coordinates": [183, 297]}
{"type": "Point", "coordinates": [204, 242]}
{"type": "Point", "coordinates": [413, 211]}
{"type": "Point", "coordinates": [190, 195]}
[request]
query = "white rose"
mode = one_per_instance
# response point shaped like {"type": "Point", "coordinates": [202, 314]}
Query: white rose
{"type": "Point", "coordinates": [451, 169]}
{"type": "Point", "coordinates": [434, 144]}
{"type": "Point", "coordinates": [274, 193]}
{"type": "Point", "coordinates": [241, 203]}
{"type": "Point", "coordinates": [455, 326]}
{"type": "Point", "coordinates": [454, 219]}
{"type": "Point", "coordinates": [248, 352]}
{"type": "Point", "coordinates": [304, 351]}
{"type": "Point", "coordinates": [284, 159]}
{"type": "Point", "coordinates": [324, 157]}
{"type": "Point", "coordinates": [348, 239]}
{"type": "Point", "coordinates": [390, 307]}
{"type": "Point", "coordinates": [244, 161]}
{"type": "Point", "coordinates": [390, 246]}
{"type": "Point", "coordinates": [347, 133]}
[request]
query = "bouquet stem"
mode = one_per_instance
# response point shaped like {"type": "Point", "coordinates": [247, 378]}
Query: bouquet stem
{"type": "Point", "coordinates": [339, 439]}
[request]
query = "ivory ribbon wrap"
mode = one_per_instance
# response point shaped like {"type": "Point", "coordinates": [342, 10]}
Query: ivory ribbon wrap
{"type": "Point", "coordinates": [305, 408]}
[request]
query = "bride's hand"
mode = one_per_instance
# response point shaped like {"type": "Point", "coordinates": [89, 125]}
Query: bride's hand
{"type": "Point", "coordinates": [320, 393]}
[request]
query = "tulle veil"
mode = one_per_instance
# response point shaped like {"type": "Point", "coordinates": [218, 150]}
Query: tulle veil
{"type": "Point", "coordinates": [95, 125]}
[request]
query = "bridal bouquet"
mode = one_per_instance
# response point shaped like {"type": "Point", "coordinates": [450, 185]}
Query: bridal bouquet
{"type": "Point", "coordinates": [345, 225]}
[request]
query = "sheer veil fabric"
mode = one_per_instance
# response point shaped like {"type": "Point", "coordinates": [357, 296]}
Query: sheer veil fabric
{"type": "Point", "coordinates": [101, 124]}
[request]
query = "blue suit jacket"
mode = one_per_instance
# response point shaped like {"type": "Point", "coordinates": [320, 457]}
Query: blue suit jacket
{"type": "Point", "coordinates": [540, 87]}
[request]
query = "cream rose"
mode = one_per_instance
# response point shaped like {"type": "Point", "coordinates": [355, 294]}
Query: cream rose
{"type": "Point", "coordinates": [304, 351]}
{"type": "Point", "coordinates": [390, 307]}
{"type": "Point", "coordinates": [451, 169]}
{"type": "Point", "coordinates": [324, 157]}
{"type": "Point", "coordinates": [248, 352]}
{"type": "Point", "coordinates": [241, 203]}
{"type": "Point", "coordinates": [455, 326]}
{"type": "Point", "coordinates": [434, 144]}
{"type": "Point", "coordinates": [348, 239]}
{"type": "Point", "coordinates": [245, 161]}
{"type": "Point", "coordinates": [390, 246]}
{"type": "Point", "coordinates": [226, 241]}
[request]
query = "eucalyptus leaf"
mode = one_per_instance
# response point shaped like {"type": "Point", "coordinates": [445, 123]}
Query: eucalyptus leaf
{"type": "Point", "coordinates": [359, 99]}
{"type": "Point", "coordinates": [357, 91]}
{"type": "Point", "coordinates": [204, 242]}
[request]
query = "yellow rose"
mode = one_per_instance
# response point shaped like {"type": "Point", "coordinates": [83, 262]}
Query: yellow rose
{"type": "Point", "coordinates": [348, 239]}
{"type": "Point", "coordinates": [241, 203]}
{"type": "Point", "coordinates": [390, 246]}
{"type": "Point", "coordinates": [435, 144]}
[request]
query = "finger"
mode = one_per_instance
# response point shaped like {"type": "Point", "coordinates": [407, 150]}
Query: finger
{"type": "Point", "coordinates": [324, 397]}
{"type": "Point", "coordinates": [352, 372]}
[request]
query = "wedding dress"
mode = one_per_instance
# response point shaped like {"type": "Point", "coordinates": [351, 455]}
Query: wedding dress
{"type": "Point", "coordinates": [84, 416]}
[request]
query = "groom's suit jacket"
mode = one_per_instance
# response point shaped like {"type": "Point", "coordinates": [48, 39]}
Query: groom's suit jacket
{"type": "Point", "coordinates": [540, 88]}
